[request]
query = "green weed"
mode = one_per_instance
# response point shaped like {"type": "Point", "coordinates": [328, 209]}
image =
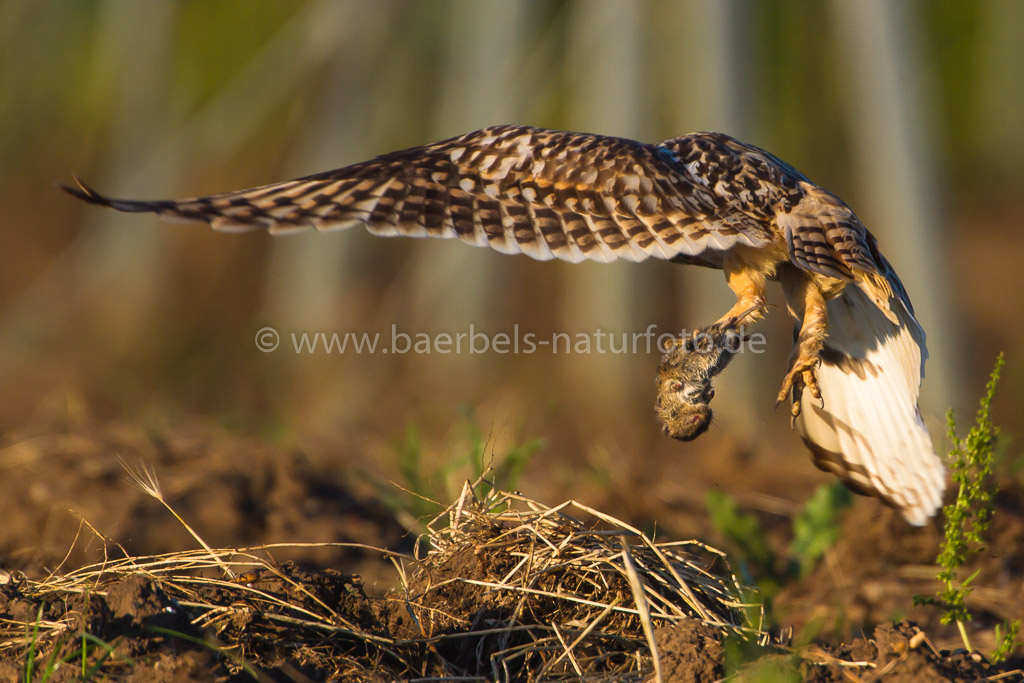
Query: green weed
{"type": "Point", "coordinates": [1006, 641]}
{"type": "Point", "coordinates": [817, 527]}
{"type": "Point", "coordinates": [88, 647]}
{"type": "Point", "coordinates": [33, 644]}
{"type": "Point", "coordinates": [472, 455]}
{"type": "Point", "coordinates": [815, 530]}
{"type": "Point", "coordinates": [969, 516]}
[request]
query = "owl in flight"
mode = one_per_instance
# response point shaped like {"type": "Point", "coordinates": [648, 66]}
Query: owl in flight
{"type": "Point", "coordinates": [703, 199]}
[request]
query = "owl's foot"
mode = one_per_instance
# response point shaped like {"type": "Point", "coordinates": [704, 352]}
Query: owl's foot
{"type": "Point", "coordinates": [801, 374]}
{"type": "Point", "coordinates": [807, 304]}
{"type": "Point", "coordinates": [737, 318]}
{"type": "Point", "coordinates": [746, 311]}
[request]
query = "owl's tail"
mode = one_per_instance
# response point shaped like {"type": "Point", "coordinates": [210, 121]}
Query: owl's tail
{"type": "Point", "coordinates": [870, 432]}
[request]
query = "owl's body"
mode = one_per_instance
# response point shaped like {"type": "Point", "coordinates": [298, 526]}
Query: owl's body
{"type": "Point", "coordinates": [704, 199]}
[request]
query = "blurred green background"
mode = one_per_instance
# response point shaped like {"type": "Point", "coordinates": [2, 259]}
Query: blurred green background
{"type": "Point", "coordinates": [910, 111]}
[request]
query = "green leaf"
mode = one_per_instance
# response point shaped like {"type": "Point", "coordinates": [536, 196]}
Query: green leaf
{"type": "Point", "coordinates": [817, 527]}
{"type": "Point", "coordinates": [741, 530]}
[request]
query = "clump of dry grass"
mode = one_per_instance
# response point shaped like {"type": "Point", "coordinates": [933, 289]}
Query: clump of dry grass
{"type": "Point", "coordinates": [564, 598]}
{"type": "Point", "coordinates": [507, 588]}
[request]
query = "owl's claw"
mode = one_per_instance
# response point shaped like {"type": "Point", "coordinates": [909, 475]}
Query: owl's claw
{"type": "Point", "coordinates": [739, 316]}
{"type": "Point", "coordinates": [802, 373]}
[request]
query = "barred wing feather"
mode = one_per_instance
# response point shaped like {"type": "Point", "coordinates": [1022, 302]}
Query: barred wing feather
{"type": "Point", "coordinates": [547, 194]}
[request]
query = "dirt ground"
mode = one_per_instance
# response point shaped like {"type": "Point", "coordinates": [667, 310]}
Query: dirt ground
{"type": "Point", "coordinates": [240, 483]}
{"type": "Point", "coordinates": [133, 612]}
{"type": "Point", "coordinates": [60, 477]}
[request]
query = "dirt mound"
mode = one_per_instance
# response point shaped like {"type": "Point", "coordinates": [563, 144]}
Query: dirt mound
{"type": "Point", "coordinates": [900, 653]}
{"type": "Point", "coordinates": [690, 650]}
{"type": "Point", "coordinates": [879, 564]}
{"type": "Point", "coordinates": [508, 590]}
{"type": "Point", "coordinates": [239, 491]}
{"type": "Point", "coordinates": [143, 624]}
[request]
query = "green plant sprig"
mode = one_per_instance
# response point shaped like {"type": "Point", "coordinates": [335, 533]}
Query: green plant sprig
{"type": "Point", "coordinates": [970, 514]}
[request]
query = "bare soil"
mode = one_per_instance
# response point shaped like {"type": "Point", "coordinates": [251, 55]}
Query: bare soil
{"type": "Point", "coordinates": [156, 638]}
{"type": "Point", "coordinates": [851, 611]}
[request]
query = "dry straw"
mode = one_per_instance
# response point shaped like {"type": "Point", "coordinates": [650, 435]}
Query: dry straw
{"type": "Point", "coordinates": [508, 589]}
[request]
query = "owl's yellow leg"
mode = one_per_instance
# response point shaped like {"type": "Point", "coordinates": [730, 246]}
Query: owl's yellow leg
{"type": "Point", "coordinates": [750, 285]}
{"type": "Point", "coordinates": [806, 302]}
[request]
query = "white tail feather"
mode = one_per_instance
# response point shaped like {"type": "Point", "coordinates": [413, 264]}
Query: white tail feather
{"type": "Point", "coordinates": [870, 431]}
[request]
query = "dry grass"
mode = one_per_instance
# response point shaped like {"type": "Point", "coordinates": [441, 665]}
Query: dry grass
{"type": "Point", "coordinates": [508, 588]}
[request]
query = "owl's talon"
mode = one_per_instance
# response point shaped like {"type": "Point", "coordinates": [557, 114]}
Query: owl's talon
{"type": "Point", "coordinates": [741, 317]}
{"type": "Point", "coordinates": [801, 375]}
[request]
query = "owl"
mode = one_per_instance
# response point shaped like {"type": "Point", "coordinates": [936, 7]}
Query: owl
{"type": "Point", "coordinates": [703, 199]}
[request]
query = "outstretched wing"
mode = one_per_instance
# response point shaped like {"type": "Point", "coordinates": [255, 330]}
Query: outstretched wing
{"type": "Point", "coordinates": [870, 431]}
{"type": "Point", "coordinates": [548, 194]}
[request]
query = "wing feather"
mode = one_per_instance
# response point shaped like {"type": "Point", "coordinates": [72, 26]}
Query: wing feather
{"type": "Point", "coordinates": [870, 431]}
{"type": "Point", "coordinates": [548, 194]}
